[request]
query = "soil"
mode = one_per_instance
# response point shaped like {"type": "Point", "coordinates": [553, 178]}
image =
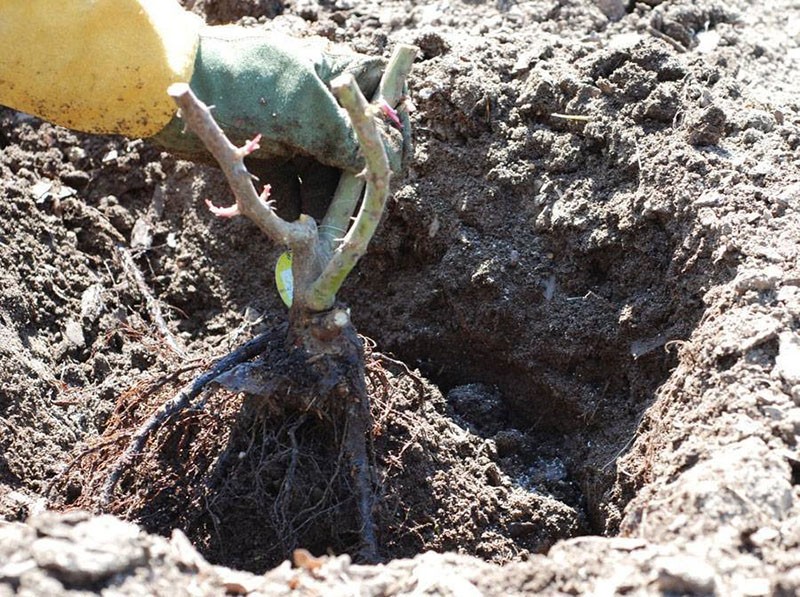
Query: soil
{"type": "Point", "coordinates": [582, 320]}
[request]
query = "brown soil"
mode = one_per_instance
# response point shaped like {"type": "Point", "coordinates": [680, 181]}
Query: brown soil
{"type": "Point", "coordinates": [592, 264]}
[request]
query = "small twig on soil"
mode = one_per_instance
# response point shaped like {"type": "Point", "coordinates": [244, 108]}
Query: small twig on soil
{"type": "Point", "coordinates": [153, 305]}
{"type": "Point", "coordinates": [667, 39]}
{"type": "Point", "coordinates": [414, 377]}
{"type": "Point", "coordinates": [624, 447]}
{"type": "Point", "coordinates": [177, 403]}
{"type": "Point", "coordinates": [577, 117]}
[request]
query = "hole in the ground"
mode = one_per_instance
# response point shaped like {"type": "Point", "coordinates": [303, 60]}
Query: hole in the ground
{"type": "Point", "coordinates": [553, 435]}
{"type": "Point", "coordinates": [556, 385]}
{"type": "Point", "coordinates": [794, 463]}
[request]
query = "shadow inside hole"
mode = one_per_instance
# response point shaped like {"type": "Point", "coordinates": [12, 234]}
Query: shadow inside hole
{"type": "Point", "coordinates": [298, 186]}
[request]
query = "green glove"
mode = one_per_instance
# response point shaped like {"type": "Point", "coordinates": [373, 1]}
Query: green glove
{"type": "Point", "coordinates": [276, 86]}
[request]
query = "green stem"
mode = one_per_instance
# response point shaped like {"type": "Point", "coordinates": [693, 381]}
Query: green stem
{"type": "Point", "coordinates": [337, 219]}
{"type": "Point", "coordinates": [343, 205]}
{"type": "Point", "coordinates": [322, 293]}
{"type": "Point", "coordinates": [393, 82]}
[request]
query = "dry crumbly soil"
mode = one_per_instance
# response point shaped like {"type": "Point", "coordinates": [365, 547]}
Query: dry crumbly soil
{"type": "Point", "coordinates": [592, 263]}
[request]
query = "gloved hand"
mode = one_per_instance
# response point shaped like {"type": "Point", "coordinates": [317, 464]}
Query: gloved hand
{"type": "Point", "coordinates": [276, 86]}
{"type": "Point", "coordinates": [103, 66]}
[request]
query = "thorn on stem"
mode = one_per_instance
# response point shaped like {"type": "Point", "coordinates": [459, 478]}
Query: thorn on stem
{"type": "Point", "coordinates": [390, 113]}
{"type": "Point", "coordinates": [251, 146]}
{"type": "Point", "coordinates": [223, 212]}
{"type": "Point", "coordinates": [264, 196]}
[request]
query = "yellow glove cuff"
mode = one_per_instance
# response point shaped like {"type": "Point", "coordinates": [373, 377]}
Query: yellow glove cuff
{"type": "Point", "coordinates": [100, 66]}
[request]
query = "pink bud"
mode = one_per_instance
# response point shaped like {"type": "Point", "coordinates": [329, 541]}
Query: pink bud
{"type": "Point", "coordinates": [390, 113]}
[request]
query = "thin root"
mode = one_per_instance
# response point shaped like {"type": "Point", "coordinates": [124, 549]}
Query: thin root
{"type": "Point", "coordinates": [177, 403]}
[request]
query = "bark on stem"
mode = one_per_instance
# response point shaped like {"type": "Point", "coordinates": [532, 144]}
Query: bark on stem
{"type": "Point", "coordinates": [392, 85]}
{"type": "Point", "coordinates": [390, 90]}
{"type": "Point", "coordinates": [199, 120]}
{"type": "Point", "coordinates": [322, 293]}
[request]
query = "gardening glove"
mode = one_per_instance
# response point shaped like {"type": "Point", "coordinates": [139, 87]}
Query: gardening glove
{"type": "Point", "coordinates": [98, 66]}
{"type": "Point", "coordinates": [103, 66]}
{"type": "Point", "coordinates": [276, 86]}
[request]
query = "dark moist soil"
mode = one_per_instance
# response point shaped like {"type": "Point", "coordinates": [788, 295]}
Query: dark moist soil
{"type": "Point", "coordinates": [582, 320]}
